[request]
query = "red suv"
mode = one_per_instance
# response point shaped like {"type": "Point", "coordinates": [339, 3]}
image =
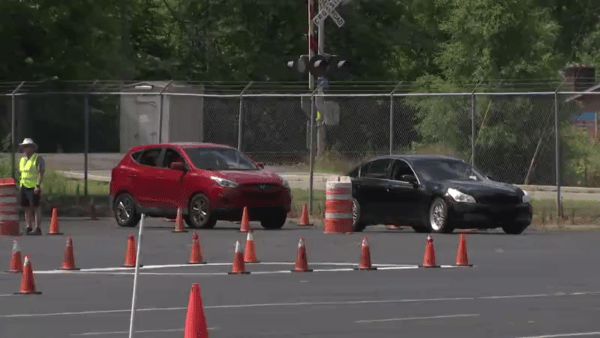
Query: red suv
{"type": "Point", "coordinates": [208, 181]}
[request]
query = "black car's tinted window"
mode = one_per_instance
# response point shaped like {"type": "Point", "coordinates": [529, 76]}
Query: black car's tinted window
{"type": "Point", "coordinates": [400, 168]}
{"type": "Point", "coordinates": [377, 169]}
{"type": "Point", "coordinates": [446, 169]}
{"type": "Point", "coordinates": [150, 157]}
{"type": "Point", "coordinates": [354, 172]}
{"type": "Point", "coordinates": [219, 159]}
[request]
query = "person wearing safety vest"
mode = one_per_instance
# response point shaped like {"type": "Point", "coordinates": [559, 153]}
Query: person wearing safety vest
{"type": "Point", "coordinates": [31, 174]}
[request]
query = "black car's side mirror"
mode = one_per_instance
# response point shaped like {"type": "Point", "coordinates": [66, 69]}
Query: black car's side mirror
{"type": "Point", "coordinates": [490, 176]}
{"type": "Point", "coordinates": [409, 178]}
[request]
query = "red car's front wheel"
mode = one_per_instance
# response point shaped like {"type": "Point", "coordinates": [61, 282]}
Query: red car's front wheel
{"type": "Point", "coordinates": [199, 214]}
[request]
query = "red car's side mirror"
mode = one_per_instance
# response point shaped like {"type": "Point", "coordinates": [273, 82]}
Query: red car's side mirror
{"type": "Point", "coordinates": [260, 165]}
{"type": "Point", "coordinates": [177, 166]}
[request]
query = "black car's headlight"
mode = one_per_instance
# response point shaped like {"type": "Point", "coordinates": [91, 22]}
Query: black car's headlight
{"type": "Point", "coordinates": [459, 196]}
{"type": "Point", "coordinates": [526, 197]}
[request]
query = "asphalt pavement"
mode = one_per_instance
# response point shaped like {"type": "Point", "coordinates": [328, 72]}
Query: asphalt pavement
{"type": "Point", "coordinates": [539, 284]}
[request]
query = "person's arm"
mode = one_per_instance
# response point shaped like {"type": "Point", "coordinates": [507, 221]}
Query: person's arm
{"type": "Point", "coordinates": [41, 169]}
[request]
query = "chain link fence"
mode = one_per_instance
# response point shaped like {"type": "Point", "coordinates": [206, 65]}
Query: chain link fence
{"type": "Point", "coordinates": [509, 136]}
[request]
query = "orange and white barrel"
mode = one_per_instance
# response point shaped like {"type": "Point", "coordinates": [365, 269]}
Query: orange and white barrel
{"type": "Point", "coordinates": [338, 205]}
{"type": "Point", "coordinates": [9, 208]}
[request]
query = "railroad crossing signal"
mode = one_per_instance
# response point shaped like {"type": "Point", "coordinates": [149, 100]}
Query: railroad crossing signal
{"type": "Point", "coordinates": [320, 65]}
{"type": "Point", "coordinates": [329, 7]}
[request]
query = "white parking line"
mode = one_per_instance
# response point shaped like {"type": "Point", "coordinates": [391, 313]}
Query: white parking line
{"type": "Point", "coordinates": [127, 332]}
{"type": "Point", "coordinates": [580, 334]}
{"type": "Point", "coordinates": [341, 303]}
{"type": "Point", "coordinates": [108, 273]}
{"type": "Point", "coordinates": [414, 318]}
{"type": "Point", "coordinates": [166, 266]}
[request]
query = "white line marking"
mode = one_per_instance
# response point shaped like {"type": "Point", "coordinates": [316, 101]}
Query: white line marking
{"type": "Point", "coordinates": [127, 332]}
{"type": "Point", "coordinates": [567, 335]}
{"type": "Point", "coordinates": [150, 267]}
{"type": "Point", "coordinates": [414, 318]}
{"type": "Point", "coordinates": [7, 295]}
{"type": "Point", "coordinates": [351, 302]}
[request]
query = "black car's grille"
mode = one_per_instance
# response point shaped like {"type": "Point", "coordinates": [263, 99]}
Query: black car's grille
{"type": "Point", "coordinates": [499, 199]}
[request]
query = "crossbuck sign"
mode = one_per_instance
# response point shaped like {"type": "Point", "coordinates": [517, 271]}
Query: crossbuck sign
{"type": "Point", "coordinates": [329, 10]}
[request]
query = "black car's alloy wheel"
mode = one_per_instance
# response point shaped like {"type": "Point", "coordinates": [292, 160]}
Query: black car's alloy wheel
{"type": "Point", "coordinates": [200, 215]}
{"type": "Point", "coordinates": [357, 224]}
{"type": "Point", "coordinates": [438, 216]}
{"type": "Point", "coordinates": [125, 212]}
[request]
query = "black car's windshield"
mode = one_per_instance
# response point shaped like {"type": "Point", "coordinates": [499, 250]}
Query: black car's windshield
{"type": "Point", "coordinates": [446, 169]}
{"type": "Point", "coordinates": [219, 159]}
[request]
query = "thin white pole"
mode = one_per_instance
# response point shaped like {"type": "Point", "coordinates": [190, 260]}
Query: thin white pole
{"type": "Point", "coordinates": [135, 276]}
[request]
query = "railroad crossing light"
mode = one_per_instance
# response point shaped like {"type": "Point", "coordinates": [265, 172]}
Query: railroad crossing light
{"type": "Point", "coordinates": [318, 65]}
{"type": "Point", "coordinates": [299, 65]}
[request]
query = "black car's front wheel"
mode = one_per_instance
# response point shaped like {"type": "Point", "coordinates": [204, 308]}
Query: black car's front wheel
{"type": "Point", "coordinates": [438, 216]}
{"type": "Point", "coordinates": [357, 224]}
{"type": "Point", "coordinates": [200, 215]}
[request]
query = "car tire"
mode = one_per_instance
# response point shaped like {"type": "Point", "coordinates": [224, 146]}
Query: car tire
{"type": "Point", "coordinates": [125, 211]}
{"type": "Point", "coordinates": [438, 217]}
{"type": "Point", "coordinates": [357, 224]}
{"type": "Point", "coordinates": [274, 221]}
{"type": "Point", "coordinates": [199, 215]}
{"type": "Point", "coordinates": [514, 228]}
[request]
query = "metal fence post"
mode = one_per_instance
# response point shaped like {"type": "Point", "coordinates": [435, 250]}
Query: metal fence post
{"type": "Point", "coordinates": [557, 151]}
{"type": "Point", "coordinates": [241, 117]}
{"type": "Point", "coordinates": [392, 138]}
{"type": "Point", "coordinates": [13, 131]}
{"type": "Point", "coordinates": [86, 138]}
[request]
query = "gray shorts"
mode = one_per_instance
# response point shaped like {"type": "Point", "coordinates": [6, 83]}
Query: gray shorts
{"type": "Point", "coordinates": [29, 197]}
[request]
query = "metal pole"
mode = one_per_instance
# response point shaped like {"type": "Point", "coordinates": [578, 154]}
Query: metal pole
{"type": "Point", "coordinates": [311, 154]}
{"type": "Point", "coordinates": [86, 139]}
{"type": "Point", "coordinates": [240, 118]}
{"type": "Point", "coordinates": [86, 142]}
{"type": "Point", "coordinates": [473, 107]}
{"type": "Point", "coordinates": [135, 276]}
{"type": "Point", "coordinates": [160, 112]}
{"type": "Point", "coordinates": [13, 131]}
{"type": "Point", "coordinates": [311, 27]}
{"type": "Point", "coordinates": [557, 151]}
{"type": "Point", "coordinates": [321, 51]}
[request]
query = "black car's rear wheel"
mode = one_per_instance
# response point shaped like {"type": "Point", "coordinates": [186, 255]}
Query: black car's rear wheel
{"type": "Point", "coordinates": [357, 224]}
{"type": "Point", "coordinates": [438, 216]}
{"type": "Point", "coordinates": [200, 215]}
{"type": "Point", "coordinates": [273, 221]}
{"type": "Point", "coordinates": [514, 228]}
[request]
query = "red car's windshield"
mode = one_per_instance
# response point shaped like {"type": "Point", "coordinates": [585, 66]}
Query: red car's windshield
{"type": "Point", "coordinates": [219, 159]}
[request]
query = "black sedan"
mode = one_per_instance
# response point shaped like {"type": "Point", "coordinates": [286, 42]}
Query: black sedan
{"type": "Point", "coordinates": [434, 193]}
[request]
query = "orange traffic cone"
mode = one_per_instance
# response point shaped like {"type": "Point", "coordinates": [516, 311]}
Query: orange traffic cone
{"type": "Point", "coordinates": [179, 227]}
{"type": "Point", "coordinates": [195, 320]}
{"type": "Point", "coordinates": [27, 281]}
{"type": "Point", "coordinates": [54, 226]}
{"type": "Point", "coordinates": [249, 252]}
{"type": "Point", "coordinates": [16, 264]}
{"type": "Point", "coordinates": [429, 259]}
{"type": "Point", "coordinates": [245, 224]}
{"type": "Point", "coordinates": [130, 254]}
{"type": "Point", "coordinates": [304, 220]}
{"type": "Point", "coordinates": [462, 258]}
{"type": "Point", "coordinates": [365, 256]}
{"type": "Point", "coordinates": [238, 261]}
{"type": "Point", "coordinates": [301, 260]}
{"type": "Point", "coordinates": [196, 254]}
{"type": "Point", "coordinates": [69, 257]}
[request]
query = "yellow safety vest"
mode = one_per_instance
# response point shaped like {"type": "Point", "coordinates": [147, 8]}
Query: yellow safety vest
{"type": "Point", "coordinates": [29, 173]}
